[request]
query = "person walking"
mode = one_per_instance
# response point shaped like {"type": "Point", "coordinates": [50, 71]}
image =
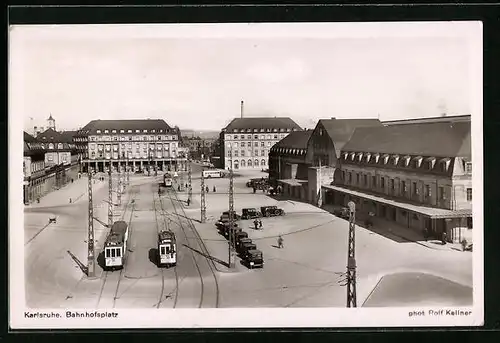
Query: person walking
{"type": "Point", "coordinates": [256, 224]}
{"type": "Point", "coordinates": [188, 201]}
{"type": "Point", "coordinates": [215, 189]}
{"type": "Point", "coordinates": [280, 242]}
{"type": "Point", "coordinates": [444, 238]}
{"type": "Point", "coordinates": [207, 189]}
{"type": "Point", "coordinates": [260, 224]}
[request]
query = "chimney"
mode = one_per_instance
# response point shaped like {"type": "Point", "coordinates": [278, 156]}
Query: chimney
{"type": "Point", "coordinates": [241, 110]}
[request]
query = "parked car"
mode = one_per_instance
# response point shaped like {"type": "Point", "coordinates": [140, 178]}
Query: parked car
{"type": "Point", "coordinates": [240, 235]}
{"type": "Point", "coordinates": [244, 247]}
{"type": "Point", "coordinates": [227, 231]}
{"type": "Point", "coordinates": [250, 213]}
{"type": "Point", "coordinates": [242, 241]}
{"type": "Point", "coordinates": [271, 211]}
{"type": "Point", "coordinates": [225, 215]}
{"type": "Point", "coordinates": [254, 258]}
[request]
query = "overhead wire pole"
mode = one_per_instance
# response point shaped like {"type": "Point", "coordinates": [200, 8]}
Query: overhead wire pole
{"type": "Point", "coordinates": [202, 202]}
{"type": "Point", "coordinates": [190, 189]}
{"type": "Point", "coordinates": [320, 195]}
{"type": "Point", "coordinates": [231, 212]}
{"type": "Point", "coordinates": [110, 197]}
{"type": "Point", "coordinates": [351, 258]}
{"type": "Point", "coordinates": [90, 238]}
{"type": "Point", "coordinates": [119, 187]}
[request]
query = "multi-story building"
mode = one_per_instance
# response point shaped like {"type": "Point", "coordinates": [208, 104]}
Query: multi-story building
{"type": "Point", "coordinates": [136, 145]}
{"type": "Point", "coordinates": [199, 148]}
{"type": "Point", "coordinates": [246, 141]}
{"type": "Point", "coordinates": [418, 175]}
{"type": "Point", "coordinates": [33, 169]}
{"type": "Point", "coordinates": [59, 147]}
{"type": "Point", "coordinates": [288, 167]}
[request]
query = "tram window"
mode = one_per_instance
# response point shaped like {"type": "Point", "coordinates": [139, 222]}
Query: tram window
{"type": "Point", "coordinates": [167, 250]}
{"type": "Point", "coordinates": [107, 253]}
{"type": "Point", "coordinates": [162, 250]}
{"type": "Point", "coordinates": [118, 252]}
{"type": "Point", "coordinates": [113, 253]}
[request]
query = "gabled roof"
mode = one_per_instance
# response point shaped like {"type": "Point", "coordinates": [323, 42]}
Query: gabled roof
{"type": "Point", "coordinates": [67, 136]}
{"type": "Point", "coordinates": [132, 124]}
{"type": "Point", "coordinates": [341, 130]}
{"type": "Point", "coordinates": [29, 138]}
{"type": "Point", "coordinates": [49, 135]}
{"type": "Point", "coordinates": [262, 123]}
{"type": "Point", "coordinates": [457, 118]}
{"type": "Point", "coordinates": [439, 139]}
{"type": "Point", "coordinates": [295, 140]}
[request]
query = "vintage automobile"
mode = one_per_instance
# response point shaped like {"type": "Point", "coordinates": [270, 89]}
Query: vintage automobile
{"type": "Point", "coordinates": [244, 247]}
{"type": "Point", "coordinates": [271, 211]}
{"type": "Point", "coordinates": [341, 212]}
{"type": "Point", "coordinates": [250, 213]}
{"type": "Point", "coordinates": [240, 235]}
{"type": "Point", "coordinates": [242, 241]}
{"type": "Point", "coordinates": [225, 216]}
{"type": "Point", "coordinates": [254, 259]}
{"type": "Point", "coordinates": [227, 231]}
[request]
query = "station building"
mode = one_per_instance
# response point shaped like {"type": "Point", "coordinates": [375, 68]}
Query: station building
{"type": "Point", "coordinates": [246, 142]}
{"type": "Point", "coordinates": [417, 174]}
{"type": "Point", "coordinates": [135, 145]}
{"type": "Point", "coordinates": [307, 160]}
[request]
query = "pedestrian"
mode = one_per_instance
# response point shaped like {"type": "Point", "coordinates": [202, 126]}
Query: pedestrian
{"type": "Point", "coordinates": [260, 224]}
{"type": "Point", "coordinates": [280, 242]}
{"type": "Point", "coordinates": [70, 201]}
{"type": "Point", "coordinates": [188, 201]}
{"type": "Point", "coordinates": [254, 189]}
{"type": "Point", "coordinates": [38, 200]}
{"type": "Point", "coordinates": [256, 224]}
{"type": "Point", "coordinates": [207, 189]}
{"type": "Point", "coordinates": [444, 238]}
{"type": "Point", "coordinates": [464, 244]}
{"type": "Point", "coordinates": [72, 180]}
{"type": "Point", "coordinates": [215, 189]}
{"type": "Point", "coordinates": [426, 234]}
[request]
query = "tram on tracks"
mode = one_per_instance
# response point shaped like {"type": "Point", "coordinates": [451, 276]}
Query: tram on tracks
{"type": "Point", "coordinates": [115, 246]}
{"type": "Point", "coordinates": [167, 180]}
{"type": "Point", "coordinates": [167, 249]}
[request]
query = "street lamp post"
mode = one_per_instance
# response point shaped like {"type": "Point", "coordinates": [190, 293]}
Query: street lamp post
{"type": "Point", "coordinates": [351, 258]}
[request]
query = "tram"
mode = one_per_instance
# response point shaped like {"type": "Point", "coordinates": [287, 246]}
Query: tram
{"type": "Point", "coordinates": [167, 180]}
{"type": "Point", "coordinates": [115, 246]}
{"type": "Point", "coordinates": [167, 249]}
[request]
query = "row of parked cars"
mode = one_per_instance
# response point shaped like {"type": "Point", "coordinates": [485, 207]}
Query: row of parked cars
{"type": "Point", "coordinates": [246, 249]}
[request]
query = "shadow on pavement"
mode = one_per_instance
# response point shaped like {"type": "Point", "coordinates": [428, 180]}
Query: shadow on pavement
{"type": "Point", "coordinates": [101, 261]}
{"type": "Point", "coordinates": [82, 267]}
{"type": "Point", "coordinates": [153, 256]}
{"type": "Point", "coordinates": [215, 259]}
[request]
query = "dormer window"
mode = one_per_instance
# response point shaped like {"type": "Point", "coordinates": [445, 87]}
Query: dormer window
{"type": "Point", "coordinates": [59, 146]}
{"type": "Point", "coordinates": [153, 131]}
{"type": "Point", "coordinates": [468, 167]}
{"type": "Point", "coordinates": [395, 159]}
{"type": "Point", "coordinates": [144, 131]}
{"type": "Point", "coordinates": [368, 157]}
{"type": "Point", "coordinates": [51, 146]}
{"type": "Point", "coordinates": [129, 131]}
{"type": "Point", "coordinates": [418, 161]}
{"type": "Point", "coordinates": [407, 160]}
{"type": "Point", "coordinates": [122, 131]}
{"type": "Point", "coordinates": [431, 161]}
{"type": "Point", "coordinates": [445, 164]}
{"type": "Point", "coordinates": [114, 131]}
{"type": "Point", "coordinates": [352, 156]}
{"type": "Point", "coordinates": [386, 159]}
{"type": "Point", "coordinates": [106, 131]}
{"type": "Point", "coordinates": [275, 130]}
{"type": "Point", "coordinates": [360, 156]}
{"type": "Point", "coordinates": [377, 157]}
{"type": "Point", "coordinates": [98, 131]}
{"type": "Point", "coordinates": [161, 130]}
{"type": "Point", "coordinates": [345, 155]}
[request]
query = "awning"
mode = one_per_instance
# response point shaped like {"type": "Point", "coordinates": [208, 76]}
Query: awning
{"type": "Point", "coordinates": [293, 182]}
{"type": "Point", "coordinates": [432, 212]}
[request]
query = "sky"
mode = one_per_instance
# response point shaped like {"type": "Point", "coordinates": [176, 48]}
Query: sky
{"type": "Point", "coordinates": [195, 76]}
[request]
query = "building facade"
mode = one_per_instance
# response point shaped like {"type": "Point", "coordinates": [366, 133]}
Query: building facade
{"type": "Point", "coordinates": [246, 142]}
{"type": "Point", "coordinates": [135, 145]}
{"type": "Point", "coordinates": [418, 175]}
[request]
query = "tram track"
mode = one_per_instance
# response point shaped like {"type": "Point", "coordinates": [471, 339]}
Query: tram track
{"type": "Point", "coordinates": [162, 270]}
{"type": "Point", "coordinates": [175, 203]}
{"type": "Point", "coordinates": [130, 201]}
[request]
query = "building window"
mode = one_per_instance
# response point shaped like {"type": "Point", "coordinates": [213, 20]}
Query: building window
{"type": "Point", "coordinates": [374, 181]}
{"type": "Point", "coordinates": [263, 162]}
{"type": "Point", "coordinates": [255, 137]}
{"type": "Point", "coordinates": [415, 188]}
{"type": "Point", "coordinates": [275, 136]}
{"type": "Point", "coordinates": [427, 190]}
{"type": "Point", "coordinates": [50, 157]}
{"type": "Point", "coordinates": [51, 146]}
{"type": "Point", "coordinates": [262, 153]}
{"type": "Point", "coordinates": [98, 131]}
{"type": "Point", "coordinates": [262, 143]}
{"type": "Point", "coordinates": [256, 152]}
{"type": "Point", "coordinates": [441, 193]}
{"type": "Point", "coordinates": [350, 177]}
{"type": "Point", "coordinates": [357, 179]}
{"type": "Point", "coordinates": [106, 131]}
{"type": "Point", "coordinates": [468, 167]}
{"type": "Point", "coordinates": [469, 194]}
{"type": "Point", "coordinates": [403, 187]}
{"type": "Point", "coordinates": [365, 180]}
{"type": "Point", "coordinates": [256, 163]}
{"type": "Point", "coordinates": [242, 144]}
{"type": "Point", "coordinates": [249, 163]}
{"type": "Point", "coordinates": [242, 154]}
{"type": "Point", "coordinates": [382, 182]}
{"type": "Point", "coordinates": [235, 136]}
{"type": "Point", "coordinates": [392, 184]}
{"type": "Point", "coordinates": [114, 131]}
